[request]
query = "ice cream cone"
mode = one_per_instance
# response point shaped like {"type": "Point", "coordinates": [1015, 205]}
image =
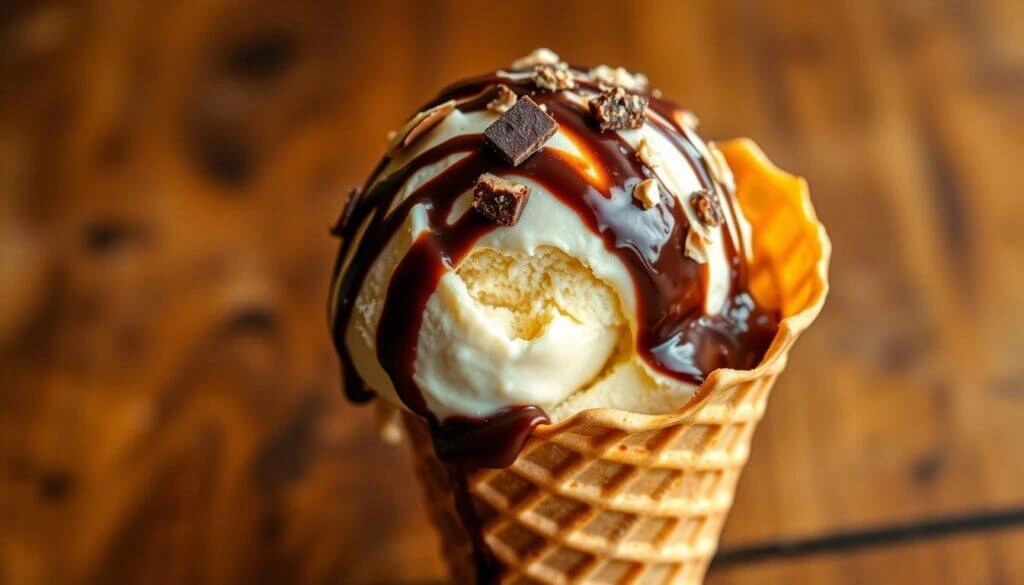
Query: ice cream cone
{"type": "Point", "coordinates": [610, 496]}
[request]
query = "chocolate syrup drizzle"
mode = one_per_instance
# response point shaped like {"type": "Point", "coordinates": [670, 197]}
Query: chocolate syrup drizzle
{"type": "Point", "coordinates": [674, 335]}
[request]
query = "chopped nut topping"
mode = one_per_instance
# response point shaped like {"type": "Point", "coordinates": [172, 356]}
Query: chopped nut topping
{"type": "Point", "coordinates": [705, 205]}
{"type": "Point", "coordinates": [720, 170]}
{"type": "Point", "coordinates": [616, 109]}
{"type": "Point", "coordinates": [647, 192]}
{"type": "Point", "coordinates": [647, 155]}
{"type": "Point", "coordinates": [503, 100]}
{"type": "Point", "coordinates": [537, 57]}
{"type": "Point", "coordinates": [553, 77]}
{"type": "Point", "coordinates": [618, 77]}
{"type": "Point", "coordinates": [696, 247]}
{"type": "Point", "coordinates": [419, 125]}
{"type": "Point", "coordinates": [686, 119]}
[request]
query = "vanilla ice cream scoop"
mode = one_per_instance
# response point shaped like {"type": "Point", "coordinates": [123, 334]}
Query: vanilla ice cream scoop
{"type": "Point", "coordinates": [536, 242]}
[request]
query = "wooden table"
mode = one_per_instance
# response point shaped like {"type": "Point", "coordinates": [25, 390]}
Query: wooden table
{"type": "Point", "coordinates": [169, 402]}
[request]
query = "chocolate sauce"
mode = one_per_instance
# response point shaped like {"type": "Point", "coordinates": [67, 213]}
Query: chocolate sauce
{"type": "Point", "coordinates": [674, 335]}
{"type": "Point", "coordinates": [488, 567]}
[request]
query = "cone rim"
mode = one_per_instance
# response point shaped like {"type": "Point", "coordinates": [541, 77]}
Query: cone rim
{"type": "Point", "coordinates": [794, 189]}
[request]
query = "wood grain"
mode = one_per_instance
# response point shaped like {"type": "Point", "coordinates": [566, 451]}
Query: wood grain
{"type": "Point", "coordinates": [993, 558]}
{"type": "Point", "coordinates": [169, 401]}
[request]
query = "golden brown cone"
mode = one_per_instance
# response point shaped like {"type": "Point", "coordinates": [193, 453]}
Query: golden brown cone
{"type": "Point", "coordinates": [610, 496]}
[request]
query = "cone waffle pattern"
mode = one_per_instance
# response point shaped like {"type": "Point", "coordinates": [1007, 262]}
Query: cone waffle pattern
{"type": "Point", "coordinates": [616, 497]}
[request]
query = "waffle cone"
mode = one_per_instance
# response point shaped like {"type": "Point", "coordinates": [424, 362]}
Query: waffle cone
{"type": "Point", "coordinates": [610, 496]}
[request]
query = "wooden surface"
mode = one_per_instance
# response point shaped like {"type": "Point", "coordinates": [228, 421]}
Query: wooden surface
{"type": "Point", "coordinates": [169, 401]}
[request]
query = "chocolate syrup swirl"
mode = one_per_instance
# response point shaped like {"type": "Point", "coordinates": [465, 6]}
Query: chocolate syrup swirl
{"type": "Point", "coordinates": [674, 336]}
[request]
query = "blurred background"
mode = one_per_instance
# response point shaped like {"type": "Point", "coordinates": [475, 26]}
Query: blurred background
{"type": "Point", "coordinates": [170, 408]}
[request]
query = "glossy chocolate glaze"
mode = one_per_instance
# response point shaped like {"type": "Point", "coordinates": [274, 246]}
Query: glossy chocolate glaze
{"type": "Point", "coordinates": [675, 336]}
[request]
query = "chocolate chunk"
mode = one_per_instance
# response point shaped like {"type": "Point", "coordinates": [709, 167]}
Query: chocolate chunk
{"type": "Point", "coordinates": [617, 109]}
{"type": "Point", "coordinates": [521, 131]}
{"type": "Point", "coordinates": [504, 98]}
{"type": "Point", "coordinates": [338, 229]}
{"type": "Point", "coordinates": [500, 200]}
{"type": "Point", "coordinates": [705, 205]}
{"type": "Point", "coordinates": [553, 77]}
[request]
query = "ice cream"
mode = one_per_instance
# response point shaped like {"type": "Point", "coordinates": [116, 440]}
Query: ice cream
{"type": "Point", "coordinates": [580, 308]}
{"type": "Point", "coordinates": [616, 277]}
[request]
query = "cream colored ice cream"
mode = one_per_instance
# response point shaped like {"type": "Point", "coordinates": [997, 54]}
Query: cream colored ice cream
{"type": "Point", "coordinates": [551, 274]}
{"type": "Point", "coordinates": [556, 311]}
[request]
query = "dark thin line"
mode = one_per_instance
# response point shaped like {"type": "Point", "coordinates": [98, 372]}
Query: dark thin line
{"type": "Point", "coordinates": [871, 538]}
